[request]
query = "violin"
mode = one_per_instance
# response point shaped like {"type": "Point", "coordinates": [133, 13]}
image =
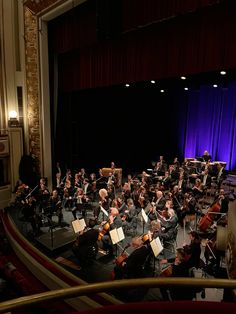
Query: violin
{"type": "Point", "coordinates": [121, 259]}
{"type": "Point", "coordinates": [104, 230]}
{"type": "Point", "coordinates": [167, 272]}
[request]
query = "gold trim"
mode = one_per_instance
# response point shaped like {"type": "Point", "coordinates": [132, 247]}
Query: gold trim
{"type": "Point", "coordinates": [118, 284]}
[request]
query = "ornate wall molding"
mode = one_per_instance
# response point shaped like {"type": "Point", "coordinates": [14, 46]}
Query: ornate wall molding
{"type": "Point", "coordinates": [32, 10]}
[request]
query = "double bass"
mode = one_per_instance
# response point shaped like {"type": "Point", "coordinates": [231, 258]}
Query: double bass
{"type": "Point", "coordinates": [207, 220]}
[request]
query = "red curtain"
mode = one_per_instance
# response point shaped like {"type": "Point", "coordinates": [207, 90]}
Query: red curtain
{"type": "Point", "coordinates": [201, 41]}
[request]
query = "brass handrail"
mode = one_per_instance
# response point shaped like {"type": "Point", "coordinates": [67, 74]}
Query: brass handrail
{"type": "Point", "coordinates": [112, 285]}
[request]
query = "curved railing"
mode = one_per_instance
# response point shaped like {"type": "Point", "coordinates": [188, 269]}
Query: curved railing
{"type": "Point", "coordinates": [114, 285]}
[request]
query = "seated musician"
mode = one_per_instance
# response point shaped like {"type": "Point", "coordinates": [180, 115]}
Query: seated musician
{"type": "Point", "coordinates": [169, 223]}
{"type": "Point", "coordinates": [80, 199]}
{"type": "Point", "coordinates": [206, 156]}
{"type": "Point", "coordinates": [178, 268]}
{"type": "Point", "coordinates": [134, 265]}
{"type": "Point", "coordinates": [206, 179]}
{"type": "Point", "coordinates": [85, 247]}
{"type": "Point", "coordinates": [87, 188]}
{"type": "Point", "coordinates": [223, 201]}
{"type": "Point", "coordinates": [129, 217]}
{"type": "Point", "coordinates": [104, 201]}
{"type": "Point", "coordinates": [114, 222]}
{"type": "Point", "coordinates": [221, 175]}
{"type": "Point", "coordinates": [30, 214]}
{"type": "Point", "coordinates": [193, 250]}
{"type": "Point", "coordinates": [159, 201]}
{"type": "Point", "coordinates": [197, 189]}
{"type": "Point", "coordinates": [126, 191]}
{"type": "Point", "coordinates": [166, 181]}
{"type": "Point", "coordinates": [55, 207]}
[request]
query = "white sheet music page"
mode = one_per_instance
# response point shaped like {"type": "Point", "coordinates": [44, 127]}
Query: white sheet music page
{"type": "Point", "coordinates": [144, 215]}
{"type": "Point", "coordinates": [78, 225]}
{"type": "Point", "coordinates": [156, 246]}
{"type": "Point", "coordinates": [120, 233]}
{"type": "Point", "coordinates": [114, 236]}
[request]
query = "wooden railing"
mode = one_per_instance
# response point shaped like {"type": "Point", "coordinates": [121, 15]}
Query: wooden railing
{"type": "Point", "coordinates": [111, 285]}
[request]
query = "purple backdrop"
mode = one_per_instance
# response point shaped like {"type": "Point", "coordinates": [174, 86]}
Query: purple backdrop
{"type": "Point", "coordinates": [209, 124]}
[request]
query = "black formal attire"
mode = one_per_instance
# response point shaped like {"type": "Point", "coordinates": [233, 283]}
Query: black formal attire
{"type": "Point", "coordinates": [106, 239]}
{"type": "Point", "coordinates": [194, 251]}
{"type": "Point", "coordinates": [86, 248]}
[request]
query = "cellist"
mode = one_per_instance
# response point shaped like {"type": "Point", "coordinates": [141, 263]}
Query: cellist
{"type": "Point", "coordinates": [114, 222]}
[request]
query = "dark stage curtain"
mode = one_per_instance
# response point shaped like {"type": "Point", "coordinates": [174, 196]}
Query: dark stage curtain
{"type": "Point", "coordinates": [200, 41]}
{"type": "Point", "coordinates": [134, 126]}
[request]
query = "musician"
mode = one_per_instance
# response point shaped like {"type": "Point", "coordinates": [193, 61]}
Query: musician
{"type": "Point", "coordinates": [206, 179]}
{"type": "Point", "coordinates": [80, 199]}
{"type": "Point", "coordinates": [115, 222]}
{"type": "Point", "coordinates": [160, 200]}
{"type": "Point", "coordinates": [177, 199]}
{"type": "Point", "coordinates": [179, 268]}
{"type": "Point", "coordinates": [30, 214]}
{"type": "Point", "coordinates": [166, 180]}
{"type": "Point", "coordinates": [43, 195]}
{"type": "Point", "coordinates": [193, 250]}
{"type": "Point", "coordinates": [87, 188]}
{"type": "Point", "coordinates": [169, 224]}
{"type": "Point", "coordinates": [85, 247]}
{"type": "Point", "coordinates": [134, 265]}
{"type": "Point", "coordinates": [206, 156]}
{"type": "Point", "coordinates": [142, 200]}
{"type": "Point", "coordinates": [176, 164]}
{"type": "Point", "coordinates": [126, 191]}
{"type": "Point", "coordinates": [129, 218]}
{"type": "Point", "coordinates": [130, 182]}
{"type": "Point", "coordinates": [104, 201]}
{"type": "Point", "coordinates": [55, 207]}
{"type": "Point", "coordinates": [221, 175]}
{"type": "Point", "coordinates": [197, 189]}
{"type": "Point", "coordinates": [223, 201]}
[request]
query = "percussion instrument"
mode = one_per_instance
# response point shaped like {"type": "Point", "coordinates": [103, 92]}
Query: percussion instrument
{"type": "Point", "coordinates": [221, 238]}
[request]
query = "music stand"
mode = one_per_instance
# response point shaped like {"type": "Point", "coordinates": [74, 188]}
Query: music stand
{"type": "Point", "coordinates": [157, 248]}
{"type": "Point", "coordinates": [116, 235]}
{"type": "Point", "coordinates": [145, 218]}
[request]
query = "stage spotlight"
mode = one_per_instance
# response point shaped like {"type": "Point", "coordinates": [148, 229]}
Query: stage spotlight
{"type": "Point", "coordinates": [183, 77]}
{"type": "Point", "coordinates": [222, 72]}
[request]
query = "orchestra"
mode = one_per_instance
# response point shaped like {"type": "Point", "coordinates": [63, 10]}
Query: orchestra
{"type": "Point", "coordinates": [156, 201]}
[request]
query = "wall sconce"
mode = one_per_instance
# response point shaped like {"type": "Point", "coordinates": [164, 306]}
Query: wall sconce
{"type": "Point", "coordinates": [13, 121]}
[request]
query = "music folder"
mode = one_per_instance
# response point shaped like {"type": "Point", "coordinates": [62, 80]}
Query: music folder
{"type": "Point", "coordinates": [117, 235]}
{"type": "Point", "coordinates": [156, 246]}
{"type": "Point", "coordinates": [78, 225]}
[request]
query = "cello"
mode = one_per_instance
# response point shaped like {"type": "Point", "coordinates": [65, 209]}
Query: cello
{"type": "Point", "coordinates": [104, 230]}
{"type": "Point", "coordinates": [207, 220]}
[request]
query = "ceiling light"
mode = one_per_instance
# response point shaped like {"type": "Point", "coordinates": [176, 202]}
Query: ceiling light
{"type": "Point", "coordinates": [215, 85]}
{"type": "Point", "coordinates": [127, 85]}
{"type": "Point", "coordinates": [162, 91]}
{"type": "Point", "coordinates": [153, 82]}
{"type": "Point", "coordinates": [186, 88]}
{"type": "Point", "coordinates": [222, 72]}
{"type": "Point", "coordinates": [183, 77]}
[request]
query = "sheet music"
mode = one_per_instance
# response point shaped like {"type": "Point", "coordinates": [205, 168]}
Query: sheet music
{"type": "Point", "coordinates": [156, 246]}
{"type": "Point", "coordinates": [144, 215]}
{"type": "Point", "coordinates": [78, 225]}
{"type": "Point", "coordinates": [104, 211]}
{"type": "Point", "coordinates": [116, 235]}
{"type": "Point", "coordinates": [120, 232]}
